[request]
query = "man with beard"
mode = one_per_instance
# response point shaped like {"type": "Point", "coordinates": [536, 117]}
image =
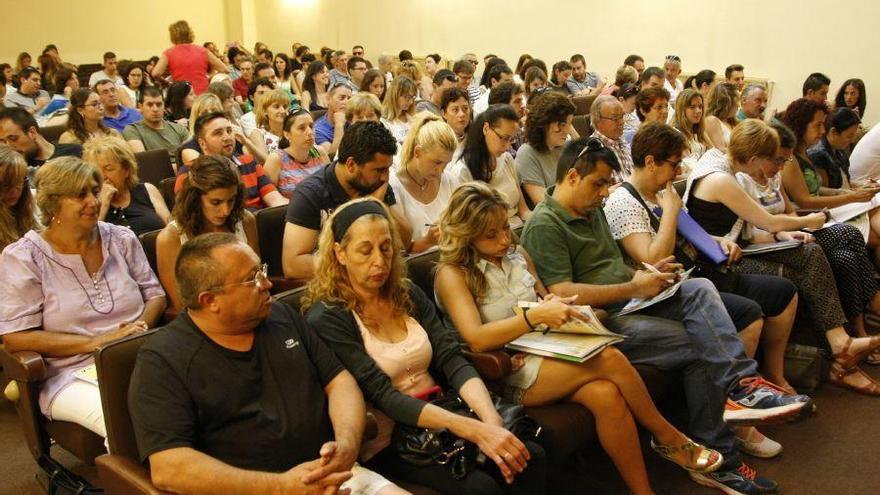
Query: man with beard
{"type": "Point", "coordinates": [20, 131]}
{"type": "Point", "coordinates": [361, 169]}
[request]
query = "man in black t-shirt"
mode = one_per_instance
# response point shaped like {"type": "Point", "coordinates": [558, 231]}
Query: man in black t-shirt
{"type": "Point", "coordinates": [20, 131]}
{"type": "Point", "coordinates": [238, 394]}
{"type": "Point", "coordinates": [361, 170]}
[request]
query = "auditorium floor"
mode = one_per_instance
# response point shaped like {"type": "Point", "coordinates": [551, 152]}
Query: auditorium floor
{"type": "Point", "coordinates": [830, 453]}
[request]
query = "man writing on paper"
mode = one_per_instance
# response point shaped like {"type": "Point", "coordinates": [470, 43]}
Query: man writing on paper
{"type": "Point", "coordinates": [575, 254]}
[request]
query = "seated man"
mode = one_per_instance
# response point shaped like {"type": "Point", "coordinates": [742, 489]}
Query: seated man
{"type": "Point", "coordinates": [581, 82]}
{"type": "Point", "coordinates": [215, 136]}
{"type": "Point", "coordinates": [19, 131]}
{"type": "Point", "coordinates": [606, 116]}
{"type": "Point", "coordinates": [464, 70]}
{"type": "Point", "coordinates": [116, 115]}
{"type": "Point", "coordinates": [574, 253]}
{"type": "Point", "coordinates": [245, 76]}
{"type": "Point", "coordinates": [497, 74]}
{"type": "Point", "coordinates": [238, 394]}
{"type": "Point", "coordinates": [753, 102]}
{"type": "Point", "coordinates": [361, 169]}
{"type": "Point", "coordinates": [29, 94]}
{"type": "Point", "coordinates": [257, 87]}
{"type": "Point", "coordinates": [816, 87]}
{"type": "Point", "coordinates": [340, 74]}
{"type": "Point", "coordinates": [154, 132]}
{"type": "Point", "coordinates": [357, 67]}
{"type": "Point", "coordinates": [110, 71]}
{"type": "Point", "coordinates": [735, 74]}
{"type": "Point", "coordinates": [330, 128]}
{"type": "Point", "coordinates": [443, 78]}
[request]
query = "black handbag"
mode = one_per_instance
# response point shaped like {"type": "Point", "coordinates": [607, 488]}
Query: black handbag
{"type": "Point", "coordinates": [61, 481]}
{"type": "Point", "coordinates": [427, 446]}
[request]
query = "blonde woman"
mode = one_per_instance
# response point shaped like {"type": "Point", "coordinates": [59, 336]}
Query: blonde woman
{"type": "Point", "coordinates": [16, 201]}
{"type": "Point", "coordinates": [399, 107]}
{"type": "Point", "coordinates": [410, 69]}
{"type": "Point", "coordinates": [625, 74]}
{"type": "Point", "coordinates": [482, 275]}
{"type": "Point", "coordinates": [270, 110]}
{"type": "Point", "coordinates": [386, 331]}
{"type": "Point", "coordinates": [421, 185]}
{"type": "Point", "coordinates": [721, 114]}
{"type": "Point", "coordinates": [363, 105]}
{"type": "Point", "coordinates": [688, 119]}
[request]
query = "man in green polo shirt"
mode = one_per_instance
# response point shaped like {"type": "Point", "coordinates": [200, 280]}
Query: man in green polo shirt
{"type": "Point", "coordinates": [153, 132]}
{"type": "Point", "coordinates": [574, 253]}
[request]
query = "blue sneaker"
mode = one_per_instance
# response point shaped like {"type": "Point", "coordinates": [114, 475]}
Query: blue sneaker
{"type": "Point", "coordinates": [743, 480]}
{"type": "Point", "coordinates": [757, 401]}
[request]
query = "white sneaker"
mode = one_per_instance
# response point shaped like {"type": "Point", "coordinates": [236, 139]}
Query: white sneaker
{"type": "Point", "coordinates": [754, 443]}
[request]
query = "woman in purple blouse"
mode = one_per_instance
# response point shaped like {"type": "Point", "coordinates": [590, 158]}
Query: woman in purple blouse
{"type": "Point", "coordinates": [74, 287]}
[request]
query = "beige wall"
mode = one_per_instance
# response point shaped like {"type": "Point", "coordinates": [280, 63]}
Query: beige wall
{"type": "Point", "coordinates": [780, 40]}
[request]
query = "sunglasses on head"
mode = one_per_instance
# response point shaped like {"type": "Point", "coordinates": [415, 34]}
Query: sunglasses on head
{"type": "Point", "coordinates": [593, 144]}
{"type": "Point", "coordinates": [673, 58]}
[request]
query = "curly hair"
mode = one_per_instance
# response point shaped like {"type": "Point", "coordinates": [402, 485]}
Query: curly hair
{"type": "Point", "coordinates": [859, 85]}
{"type": "Point", "coordinates": [543, 110]}
{"type": "Point", "coordinates": [332, 285]}
{"type": "Point", "coordinates": [799, 114]}
{"type": "Point", "coordinates": [207, 172]}
{"type": "Point", "coordinates": [646, 99]}
{"type": "Point", "coordinates": [473, 209]}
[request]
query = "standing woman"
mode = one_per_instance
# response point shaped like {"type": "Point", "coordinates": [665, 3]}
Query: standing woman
{"type": "Point", "coordinates": [133, 75]}
{"type": "Point", "coordinates": [85, 119]}
{"type": "Point", "coordinates": [374, 82]}
{"type": "Point", "coordinates": [297, 157]}
{"type": "Point", "coordinates": [187, 61]}
{"type": "Point", "coordinates": [421, 185]}
{"type": "Point", "coordinates": [721, 118]}
{"type": "Point", "coordinates": [270, 111]}
{"type": "Point", "coordinates": [548, 126]}
{"type": "Point", "coordinates": [399, 106]}
{"type": "Point", "coordinates": [314, 87]}
{"type": "Point", "coordinates": [124, 199]}
{"type": "Point", "coordinates": [485, 158]}
{"type": "Point", "coordinates": [17, 214]}
{"type": "Point", "coordinates": [386, 331]}
{"type": "Point", "coordinates": [689, 121]}
{"type": "Point", "coordinates": [211, 200]}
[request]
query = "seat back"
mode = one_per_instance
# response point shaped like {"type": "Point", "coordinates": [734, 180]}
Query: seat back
{"type": "Point", "coordinates": [52, 132]}
{"type": "Point", "coordinates": [317, 114]}
{"type": "Point", "coordinates": [270, 232]}
{"type": "Point", "coordinates": [166, 187]}
{"type": "Point", "coordinates": [148, 241]}
{"type": "Point", "coordinates": [292, 297]}
{"type": "Point", "coordinates": [582, 104]}
{"type": "Point", "coordinates": [115, 363]}
{"type": "Point", "coordinates": [420, 269]}
{"type": "Point", "coordinates": [581, 124]}
{"type": "Point", "coordinates": [154, 165]}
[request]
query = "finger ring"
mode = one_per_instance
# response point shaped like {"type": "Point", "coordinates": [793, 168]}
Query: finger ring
{"type": "Point", "coordinates": [507, 454]}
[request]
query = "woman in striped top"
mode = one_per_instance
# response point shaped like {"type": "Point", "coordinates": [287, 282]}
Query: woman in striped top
{"type": "Point", "coordinates": [297, 157]}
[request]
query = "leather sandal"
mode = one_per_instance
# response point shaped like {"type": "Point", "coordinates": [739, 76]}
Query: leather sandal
{"type": "Point", "coordinates": [873, 357]}
{"type": "Point", "coordinates": [700, 459]}
{"type": "Point", "coordinates": [846, 364]}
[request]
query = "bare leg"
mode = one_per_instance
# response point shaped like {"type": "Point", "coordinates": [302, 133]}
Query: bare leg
{"type": "Point", "coordinates": [773, 340]}
{"type": "Point", "coordinates": [751, 336]}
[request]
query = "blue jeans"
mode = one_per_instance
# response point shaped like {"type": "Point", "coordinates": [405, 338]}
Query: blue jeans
{"type": "Point", "coordinates": [693, 332]}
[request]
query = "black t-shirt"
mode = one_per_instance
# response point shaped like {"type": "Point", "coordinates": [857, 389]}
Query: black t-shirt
{"type": "Point", "coordinates": [70, 149]}
{"type": "Point", "coordinates": [264, 409]}
{"type": "Point", "coordinates": [315, 198]}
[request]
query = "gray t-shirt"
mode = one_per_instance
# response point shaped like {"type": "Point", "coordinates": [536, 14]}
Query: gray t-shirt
{"type": "Point", "coordinates": [170, 137]}
{"type": "Point", "coordinates": [17, 100]}
{"type": "Point", "coordinates": [428, 105]}
{"type": "Point", "coordinates": [535, 167]}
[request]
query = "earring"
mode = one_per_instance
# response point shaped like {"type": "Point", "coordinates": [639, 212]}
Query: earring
{"type": "Point", "coordinates": [56, 220]}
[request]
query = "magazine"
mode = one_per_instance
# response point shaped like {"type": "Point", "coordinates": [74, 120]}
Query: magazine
{"type": "Point", "coordinates": [638, 304]}
{"type": "Point", "coordinates": [575, 341]}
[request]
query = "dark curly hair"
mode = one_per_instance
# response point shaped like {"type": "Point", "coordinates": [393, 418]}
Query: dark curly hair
{"type": "Point", "coordinates": [799, 114]}
{"type": "Point", "coordinates": [544, 109]}
{"type": "Point", "coordinates": [646, 99]}
{"type": "Point", "coordinates": [362, 140]}
{"type": "Point", "coordinates": [207, 172]}
{"type": "Point", "coordinates": [840, 102]}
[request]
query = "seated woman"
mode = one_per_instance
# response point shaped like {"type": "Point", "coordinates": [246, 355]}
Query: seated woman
{"type": "Point", "coordinates": [424, 84]}
{"type": "Point", "coordinates": [297, 157]}
{"type": "Point", "coordinates": [548, 126]}
{"type": "Point", "coordinates": [399, 106]}
{"type": "Point", "coordinates": [652, 105]}
{"type": "Point", "coordinates": [721, 114]}
{"type": "Point", "coordinates": [485, 158]}
{"type": "Point", "coordinates": [363, 106]}
{"type": "Point", "coordinates": [85, 119]}
{"type": "Point", "coordinates": [283, 72]}
{"type": "Point", "coordinates": [830, 156]}
{"type": "Point", "coordinates": [535, 79]}
{"type": "Point", "coordinates": [561, 73]}
{"type": "Point", "coordinates": [721, 206]}
{"type": "Point", "coordinates": [626, 95]}
{"type": "Point", "coordinates": [456, 109]}
{"type": "Point", "coordinates": [626, 74]}
{"type": "Point", "coordinates": [374, 82]}
{"type": "Point", "coordinates": [74, 287]}
{"type": "Point", "coordinates": [211, 200]}
{"type": "Point", "coordinates": [703, 81]}
{"type": "Point", "coordinates": [689, 121]}
{"type": "Point", "coordinates": [421, 184]}
{"type": "Point", "coordinates": [482, 276]}
{"type": "Point", "coordinates": [125, 201]}
{"type": "Point", "coordinates": [314, 86]}
{"type": "Point", "coordinates": [388, 334]}
{"type": "Point", "coordinates": [270, 109]}
{"type": "Point", "coordinates": [852, 95]}
{"type": "Point", "coordinates": [179, 102]}
{"type": "Point", "coordinates": [17, 215]}
{"type": "Point", "coordinates": [133, 75]}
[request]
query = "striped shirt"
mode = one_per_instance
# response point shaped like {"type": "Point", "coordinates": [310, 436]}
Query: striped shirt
{"type": "Point", "coordinates": [256, 184]}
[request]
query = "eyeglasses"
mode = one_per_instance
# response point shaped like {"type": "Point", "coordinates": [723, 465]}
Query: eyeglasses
{"type": "Point", "coordinates": [593, 144]}
{"type": "Point", "coordinates": [675, 164]}
{"type": "Point", "coordinates": [613, 118]}
{"type": "Point", "coordinates": [474, 62]}
{"type": "Point", "coordinates": [779, 160]}
{"type": "Point", "coordinates": [506, 139]}
{"type": "Point", "coordinates": [261, 277]}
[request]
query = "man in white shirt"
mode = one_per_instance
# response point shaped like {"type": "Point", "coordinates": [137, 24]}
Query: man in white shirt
{"type": "Point", "coordinates": [671, 82]}
{"type": "Point", "coordinates": [497, 74]}
{"type": "Point", "coordinates": [110, 71]}
{"type": "Point", "coordinates": [864, 162]}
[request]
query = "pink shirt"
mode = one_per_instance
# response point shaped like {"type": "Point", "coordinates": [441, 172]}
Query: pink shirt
{"type": "Point", "coordinates": [188, 62]}
{"type": "Point", "coordinates": [42, 289]}
{"type": "Point", "coordinates": [406, 363]}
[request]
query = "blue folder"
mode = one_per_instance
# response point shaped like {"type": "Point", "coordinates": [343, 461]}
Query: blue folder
{"type": "Point", "coordinates": [697, 235]}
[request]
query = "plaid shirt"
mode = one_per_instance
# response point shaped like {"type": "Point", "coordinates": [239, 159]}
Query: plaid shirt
{"type": "Point", "coordinates": [622, 151]}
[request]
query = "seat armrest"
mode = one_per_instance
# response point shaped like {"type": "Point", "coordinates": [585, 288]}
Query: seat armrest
{"type": "Point", "coordinates": [491, 365]}
{"type": "Point", "coordinates": [125, 476]}
{"type": "Point", "coordinates": [23, 366]}
{"type": "Point", "coordinates": [371, 428]}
